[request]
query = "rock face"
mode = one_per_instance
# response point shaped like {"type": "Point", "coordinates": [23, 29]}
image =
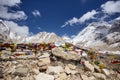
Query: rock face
{"type": "Point", "coordinates": [100, 35]}
{"type": "Point", "coordinates": [67, 56]}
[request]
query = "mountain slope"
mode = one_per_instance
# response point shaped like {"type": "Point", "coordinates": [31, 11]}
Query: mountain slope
{"type": "Point", "coordinates": [100, 36]}
{"type": "Point", "coordinates": [44, 37]}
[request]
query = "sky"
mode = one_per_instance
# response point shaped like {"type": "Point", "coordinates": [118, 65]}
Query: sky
{"type": "Point", "coordinates": [63, 17]}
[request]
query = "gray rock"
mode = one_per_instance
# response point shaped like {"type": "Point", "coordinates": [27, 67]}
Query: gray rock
{"type": "Point", "coordinates": [65, 55]}
{"type": "Point", "coordinates": [21, 71]}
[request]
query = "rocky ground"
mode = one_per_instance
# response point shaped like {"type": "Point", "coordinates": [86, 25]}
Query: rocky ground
{"type": "Point", "coordinates": [57, 65]}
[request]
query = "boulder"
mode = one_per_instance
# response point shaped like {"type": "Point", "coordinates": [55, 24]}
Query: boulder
{"type": "Point", "coordinates": [54, 69]}
{"type": "Point", "coordinates": [84, 77]}
{"type": "Point", "coordinates": [69, 71]}
{"type": "Point", "coordinates": [65, 55]}
{"type": "Point", "coordinates": [43, 76]}
{"type": "Point", "coordinates": [21, 71]}
{"type": "Point", "coordinates": [99, 75]}
{"type": "Point", "coordinates": [89, 66]}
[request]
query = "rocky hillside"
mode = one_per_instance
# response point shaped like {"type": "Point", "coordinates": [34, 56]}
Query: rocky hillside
{"type": "Point", "coordinates": [100, 36]}
{"type": "Point", "coordinates": [57, 65]}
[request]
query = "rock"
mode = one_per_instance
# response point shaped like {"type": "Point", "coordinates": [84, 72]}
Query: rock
{"type": "Point", "coordinates": [11, 70]}
{"type": "Point", "coordinates": [89, 66]}
{"type": "Point", "coordinates": [14, 62]}
{"type": "Point", "coordinates": [43, 68]}
{"type": "Point", "coordinates": [71, 66]}
{"type": "Point", "coordinates": [21, 71]}
{"type": "Point", "coordinates": [97, 69]}
{"type": "Point", "coordinates": [92, 78]}
{"type": "Point", "coordinates": [112, 72]}
{"type": "Point", "coordinates": [44, 61]}
{"type": "Point", "coordinates": [36, 71]}
{"type": "Point", "coordinates": [42, 76]}
{"type": "Point", "coordinates": [65, 55]}
{"type": "Point", "coordinates": [69, 71]}
{"type": "Point", "coordinates": [45, 55]}
{"type": "Point", "coordinates": [106, 72]}
{"type": "Point", "coordinates": [73, 77]}
{"type": "Point", "coordinates": [8, 78]}
{"type": "Point", "coordinates": [1, 73]}
{"type": "Point", "coordinates": [54, 69]}
{"type": "Point", "coordinates": [84, 77]}
{"type": "Point", "coordinates": [99, 75]}
{"type": "Point", "coordinates": [17, 78]}
{"type": "Point", "coordinates": [62, 76]}
{"type": "Point", "coordinates": [30, 77]}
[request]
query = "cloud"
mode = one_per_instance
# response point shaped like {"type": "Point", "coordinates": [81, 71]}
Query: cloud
{"type": "Point", "coordinates": [36, 13]}
{"type": "Point", "coordinates": [39, 28]}
{"type": "Point", "coordinates": [111, 7]}
{"type": "Point", "coordinates": [85, 17]}
{"type": "Point", "coordinates": [9, 2]}
{"type": "Point", "coordinates": [14, 27]}
{"type": "Point", "coordinates": [7, 13]}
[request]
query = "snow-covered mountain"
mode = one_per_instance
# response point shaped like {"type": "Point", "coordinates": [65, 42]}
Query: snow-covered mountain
{"type": "Point", "coordinates": [67, 39]}
{"type": "Point", "coordinates": [44, 37]}
{"type": "Point", "coordinates": [100, 36]}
